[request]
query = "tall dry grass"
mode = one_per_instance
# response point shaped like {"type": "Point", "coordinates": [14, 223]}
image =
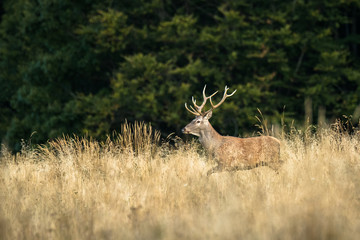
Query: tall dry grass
{"type": "Point", "coordinates": [130, 188]}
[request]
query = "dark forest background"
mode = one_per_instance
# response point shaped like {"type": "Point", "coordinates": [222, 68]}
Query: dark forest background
{"type": "Point", "coordinates": [85, 66]}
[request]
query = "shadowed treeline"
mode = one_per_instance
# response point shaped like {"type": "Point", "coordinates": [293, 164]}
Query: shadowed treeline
{"type": "Point", "coordinates": [84, 67]}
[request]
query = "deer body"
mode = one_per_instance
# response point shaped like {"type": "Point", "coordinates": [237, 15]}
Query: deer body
{"type": "Point", "coordinates": [232, 153]}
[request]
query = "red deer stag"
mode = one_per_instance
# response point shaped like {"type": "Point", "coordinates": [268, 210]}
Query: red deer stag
{"type": "Point", "coordinates": [231, 153]}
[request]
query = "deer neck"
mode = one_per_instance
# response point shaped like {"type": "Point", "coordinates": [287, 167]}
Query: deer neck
{"type": "Point", "coordinates": [210, 138]}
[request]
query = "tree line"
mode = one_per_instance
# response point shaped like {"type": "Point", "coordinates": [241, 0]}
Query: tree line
{"type": "Point", "coordinates": [84, 66]}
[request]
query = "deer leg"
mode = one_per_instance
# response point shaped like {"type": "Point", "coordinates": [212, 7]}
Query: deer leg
{"type": "Point", "coordinates": [248, 167]}
{"type": "Point", "coordinates": [218, 168]}
{"type": "Point", "coordinates": [275, 165]}
{"type": "Point", "coordinates": [244, 167]}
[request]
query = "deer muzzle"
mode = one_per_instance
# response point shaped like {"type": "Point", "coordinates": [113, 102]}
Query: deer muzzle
{"type": "Point", "coordinates": [185, 131]}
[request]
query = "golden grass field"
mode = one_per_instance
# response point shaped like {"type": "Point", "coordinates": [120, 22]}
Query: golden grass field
{"type": "Point", "coordinates": [133, 187]}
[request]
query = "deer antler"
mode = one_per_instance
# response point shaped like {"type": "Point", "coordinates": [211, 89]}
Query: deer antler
{"type": "Point", "coordinates": [197, 111]}
{"type": "Point", "coordinates": [193, 111]}
{"type": "Point", "coordinates": [222, 100]}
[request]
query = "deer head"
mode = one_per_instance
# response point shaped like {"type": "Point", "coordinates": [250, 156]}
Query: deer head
{"type": "Point", "coordinates": [201, 121]}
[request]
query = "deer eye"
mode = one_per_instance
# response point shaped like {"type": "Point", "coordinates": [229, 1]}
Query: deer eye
{"type": "Point", "coordinates": [198, 121]}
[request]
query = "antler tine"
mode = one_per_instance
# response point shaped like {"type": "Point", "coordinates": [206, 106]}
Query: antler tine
{"type": "Point", "coordinates": [193, 111]}
{"type": "Point", "coordinates": [199, 108]}
{"type": "Point", "coordinates": [193, 100]}
{"type": "Point", "coordinates": [223, 98]}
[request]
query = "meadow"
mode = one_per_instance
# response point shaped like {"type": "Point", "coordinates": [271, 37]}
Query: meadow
{"type": "Point", "coordinates": [136, 186]}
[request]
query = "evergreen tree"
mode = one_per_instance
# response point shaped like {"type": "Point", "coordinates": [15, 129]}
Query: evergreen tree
{"type": "Point", "coordinates": [84, 67]}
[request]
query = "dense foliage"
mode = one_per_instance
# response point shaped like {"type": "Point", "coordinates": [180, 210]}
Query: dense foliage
{"type": "Point", "coordinates": [85, 66]}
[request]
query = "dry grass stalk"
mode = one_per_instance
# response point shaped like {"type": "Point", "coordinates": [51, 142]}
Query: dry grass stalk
{"type": "Point", "coordinates": [82, 189]}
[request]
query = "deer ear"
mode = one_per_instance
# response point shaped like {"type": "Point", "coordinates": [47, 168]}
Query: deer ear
{"type": "Point", "coordinates": [208, 115]}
